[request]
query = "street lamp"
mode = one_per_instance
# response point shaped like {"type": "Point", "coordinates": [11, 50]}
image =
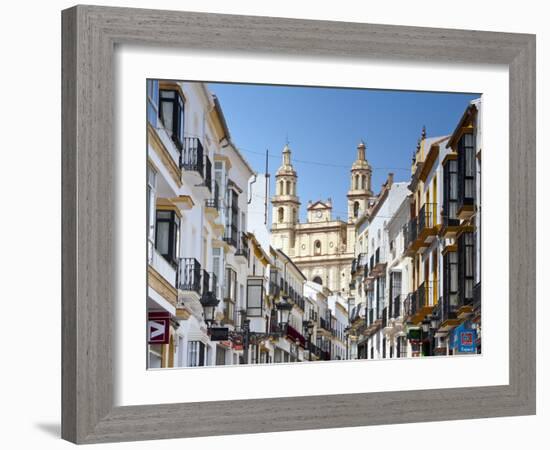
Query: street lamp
{"type": "Point", "coordinates": [308, 330]}
{"type": "Point", "coordinates": [209, 303]}
{"type": "Point", "coordinates": [283, 312]}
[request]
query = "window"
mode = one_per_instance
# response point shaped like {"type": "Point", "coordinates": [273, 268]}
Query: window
{"type": "Point", "coordinates": [151, 201]}
{"type": "Point", "coordinates": [281, 215]}
{"type": "Point", "coordinates": [318, 280]}
{"type": "Point", "coordinates": [450, 193]}
{"type": "Point", "coordinates": [167, 235]}
{"type": "Point", "coordinates": [171, 114]}
{"type": "Point", "coordinates": [450, 283]}
{"type": "Point", "coordinates": [466, 170]}
{"type": "Point", "coordinates": [395, 293]}
{"type": "Point", "coordinates": [281, 183]}
{"type": "Point", "coordinates": [466, 268]}
{"type": "Point", "coordinates": [152, 101]}
{"type": "Point", "coordinates": [232, 229]}
{"type": "Point", "coordinates": [196, 354]}
{"type": "Point", "coordinates": [317, 247]}
{"type": "Point", "coordinates": [288, 187]}
{"type": "Point", "coordinates": [355, 209]}
{"type": "Point", "coordinates": [230, 285]}
{"type": "Point", "coordinates": [220, 356]}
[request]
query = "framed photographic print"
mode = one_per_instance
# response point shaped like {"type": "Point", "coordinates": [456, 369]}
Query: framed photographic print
{"type": "Point", "coordinates": [247, 202]}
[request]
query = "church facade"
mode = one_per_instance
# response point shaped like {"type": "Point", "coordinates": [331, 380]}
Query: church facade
{"type": "Point", "coordinates": [323, 247]}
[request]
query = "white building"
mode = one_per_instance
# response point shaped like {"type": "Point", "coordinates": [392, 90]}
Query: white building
{"type": "Point", "coordinates": [378, 253]}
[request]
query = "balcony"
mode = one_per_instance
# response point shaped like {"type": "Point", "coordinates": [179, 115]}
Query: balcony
{"type": "Point", "coordinates": [411, 233]}
{"type": "Point", "coordinates": [353, 266]}
{"type": "Point", "coordinates": [189, 276]}
{"type": "Point", "coordinates": [300, 302]}
{"type": "Point", "coordinates": [324, 324]}
{"type": "Point", "coordinates": [396, 307]}
{"type": "Point", "coordinates": [192, 156]}
{"type": "Point", "coordinates": [231, 235]}
{"type": "Point", "coordinates": [423, 301]}
{"type": "Point", "coordinates": [449, 227]}
{"type": "Point", "coordinates": [207, 173]}
{"type": "Point", "coordinates": [427, 223]}
{"type": "Point", "coordinates": [209, 284]}
{"type": "Point", "coordinates": [378, 263]}
{"type": "Point", "coordinates": [295, 335]}
{"type": "Point", "coordinates": [242, 249]}
{"type": "Point", "coordinates": [448, 311]}
{"type": "Point", "coordinates": [274, 289]}
{"type": "Point", "coordinates": [213, 203]}
{"type": "Point", "coordinates": [229, 312]}
{"type": "Point", "coordinates": [385, 317]}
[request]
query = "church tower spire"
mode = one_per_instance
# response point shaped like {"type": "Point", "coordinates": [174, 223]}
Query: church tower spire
{"type": "Point", "coordinates": [286, 205]}
{"type": "Point", "coordinates": [360, 191]}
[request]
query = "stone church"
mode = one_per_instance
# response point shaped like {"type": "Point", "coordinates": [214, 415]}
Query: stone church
{"type": "Point", "coordinates": [322, 247]}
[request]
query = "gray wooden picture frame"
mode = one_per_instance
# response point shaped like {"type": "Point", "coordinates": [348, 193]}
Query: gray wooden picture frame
{"type": "Point", "coordinates": [90, 34]}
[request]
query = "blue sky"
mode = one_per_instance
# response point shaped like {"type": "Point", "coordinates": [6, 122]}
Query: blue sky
{"type": "Point", "coordinates": [324, 126]}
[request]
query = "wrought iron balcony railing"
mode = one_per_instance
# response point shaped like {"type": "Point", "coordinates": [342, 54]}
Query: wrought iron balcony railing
{"type": "Point", "coordinates": [427, 217]}
{"type": "Point", "coordinates": [209, 283]}
{"type": "Point", "coordinates": [214, 202]}
{"type": "Point", "coordinates": [189, 275]}
{"type": "Point", "coordinates": [242, 246]}
{"type": "Point", "coordinates": [324, 324]}
{"type": "Point", "coordinates": [192, 155]}
{"type": "Point", "coordinates": [411, 232]}
{"type": "Point", "coordinates": [207, 173]}
{"type": "Point", "coordinates": [231, 235]}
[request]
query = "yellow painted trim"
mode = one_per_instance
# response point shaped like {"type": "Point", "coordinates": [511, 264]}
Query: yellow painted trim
{"type": "Point", "coordinates": [156, 143]}
{"type": "Point", "coordinates": [164, 204]}
{"type": "Point", "coordinates": [429, 162]}
{"type": "Point", "coordinates": [182, 314]}
{"type": "Point", "coordinates": [453, 156]}
{"type": "Point", "coordinates": [448, 249]}
{"type": "Point", "coordinates": [183, 202]}
{"type": "Point", "coordinates": [223, 158]}
{"type": "Point", "coordinates": [157, 282]}
{"type": "Point", "coordinates": [172, 86]}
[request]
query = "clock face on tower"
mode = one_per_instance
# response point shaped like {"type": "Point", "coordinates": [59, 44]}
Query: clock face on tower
{"type": "Point", "coordinates": [319, 214]}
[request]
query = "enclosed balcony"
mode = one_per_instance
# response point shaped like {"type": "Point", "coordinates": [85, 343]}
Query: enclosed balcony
{"type": "Point", "coordinates": [448, 311]}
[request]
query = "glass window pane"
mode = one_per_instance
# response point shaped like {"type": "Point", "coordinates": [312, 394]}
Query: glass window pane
{"type": "Point", "coordinates": [163, 237]}
{"type": "Point", "coordinates": [167, 111]}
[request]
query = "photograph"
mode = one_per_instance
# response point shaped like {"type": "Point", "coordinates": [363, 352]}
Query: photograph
{"type": "Point", "coordinates": [305, 224]}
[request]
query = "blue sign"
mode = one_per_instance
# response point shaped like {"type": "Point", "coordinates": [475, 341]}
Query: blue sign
{"type": "Point", "coordinates": [464, 339]}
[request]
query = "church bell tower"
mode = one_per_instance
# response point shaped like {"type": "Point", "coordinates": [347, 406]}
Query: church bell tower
{"type": "Point", "coordinates": [360, 192]}
{"type": "Point", "coordinates": [286, 205]}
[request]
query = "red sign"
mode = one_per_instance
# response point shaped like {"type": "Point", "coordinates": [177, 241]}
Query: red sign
{"type": "Point", "coordinates": [158, 327]}
{"type": "Point", "coordinates": [467, 338]}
